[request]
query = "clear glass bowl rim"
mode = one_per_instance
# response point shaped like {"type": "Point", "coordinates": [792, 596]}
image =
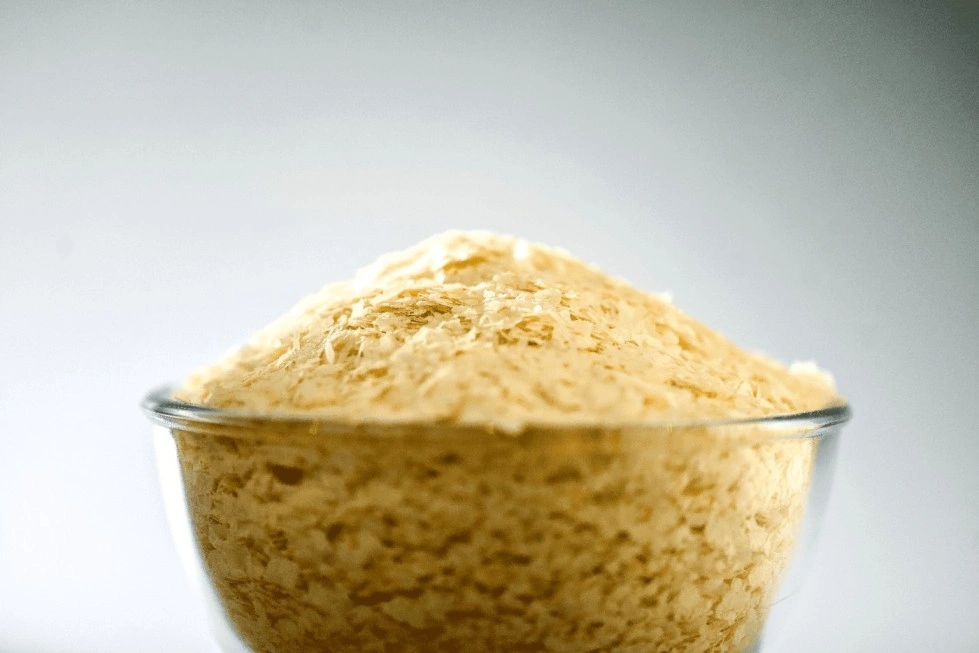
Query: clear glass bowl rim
{"type": "Point", "coordinates": [164, 410]}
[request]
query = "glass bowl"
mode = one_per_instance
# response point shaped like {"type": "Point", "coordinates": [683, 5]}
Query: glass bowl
{"type": "Point", "coordinates": [307, 535]}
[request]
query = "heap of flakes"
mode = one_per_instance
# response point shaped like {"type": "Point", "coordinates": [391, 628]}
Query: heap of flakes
{"type": "Point", "coordinates": [493, 478]}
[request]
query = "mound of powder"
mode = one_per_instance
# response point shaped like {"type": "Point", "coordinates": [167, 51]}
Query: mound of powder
{"type": "Point", "coordinates": [496, 470]}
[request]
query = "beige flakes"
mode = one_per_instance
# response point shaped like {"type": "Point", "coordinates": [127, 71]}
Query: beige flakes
{"type": "Point", "coordinates": [525, 493]}
{"type": "Point", "coordinates": [449, 329]}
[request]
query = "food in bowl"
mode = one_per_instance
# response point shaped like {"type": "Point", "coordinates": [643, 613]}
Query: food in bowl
{"type": "Point", "coordinates": [483, 444]}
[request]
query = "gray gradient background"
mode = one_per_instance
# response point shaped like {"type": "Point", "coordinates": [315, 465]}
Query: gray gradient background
{"type": "Point", "coordinates": [803, 177]}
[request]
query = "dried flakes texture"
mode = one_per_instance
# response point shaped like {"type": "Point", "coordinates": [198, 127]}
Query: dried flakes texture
{"type": "Point", "coordinates": [561, 542]}
{"type": "Point", "coordinates": [480, 328]}
{"type": "Point", "coordinates": [447, 538]}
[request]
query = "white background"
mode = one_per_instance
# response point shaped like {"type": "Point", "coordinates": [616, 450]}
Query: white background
{"type": "Point", "coordinates": [804, 177]}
